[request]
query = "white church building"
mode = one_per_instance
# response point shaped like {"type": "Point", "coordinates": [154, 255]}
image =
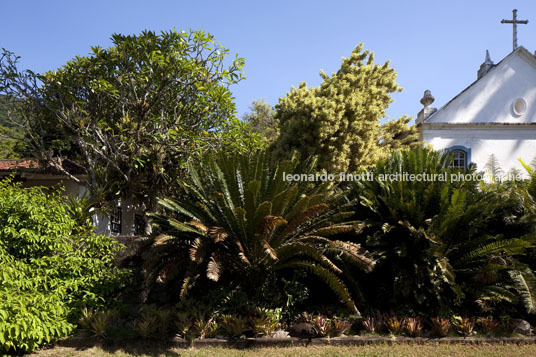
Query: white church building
{"type": "Point", "coordinates": [495, 115]}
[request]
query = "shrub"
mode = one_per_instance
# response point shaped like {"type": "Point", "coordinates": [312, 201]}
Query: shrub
{"type": "Point", "coordinates": [488, 324]}
{"type": "Point", "coordinates": [264, 321]}
{"type": "Point", "coordinates": [195, 319]}
{"type": "Point", "coordinates": [394, 325]}
{"type": "Point", "coordinates": [464, 325]}
{"type": "Point", "coordinates": [440, 326]}
{"type": "Point", "coordinates": [375, 323]}
{"type": "Point", "coordinates": [147, 326]}
{"type": "Point", "coordinates": [413, 326]}
{"type": "Point", "coordinates": [338, 327]}
{"type": "Point", "coordinates": [164, 317]}
{"type": "Point", "coordinates": [48, 268]}
{"type": "Point", "coordinates": [98, 322]}
{"type": "Point", "coordinates": [234, 326]}
{"type": "Point", "coordinates": [322, 325]}
{"type": "Point", "coordinates": [369, 324]}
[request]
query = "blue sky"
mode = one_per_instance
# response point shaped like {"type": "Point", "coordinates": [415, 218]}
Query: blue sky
{"type": "Point", "coordinates": [436, 45]}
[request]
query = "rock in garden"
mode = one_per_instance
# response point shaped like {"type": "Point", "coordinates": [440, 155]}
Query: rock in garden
{"type": "Point", "coordinates": [303, 330]}
{"type": "Point", "coordinates": [280, 334]}
{"type": "Point", "coordinates": [521, 326]}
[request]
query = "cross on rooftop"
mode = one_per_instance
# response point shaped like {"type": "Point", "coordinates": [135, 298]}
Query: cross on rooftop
{"type": "Point", "coordinates": [514, 22]}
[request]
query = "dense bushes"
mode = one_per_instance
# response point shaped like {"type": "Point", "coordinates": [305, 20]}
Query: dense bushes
{"type": "Point", "coordinates": [440, 246]}
{"type": "Point", "coordinates": [246, 244]}
{"type": "Point", "coordinates": [446, 245]}
{"type": "Point", "coordinates": [47, 270]}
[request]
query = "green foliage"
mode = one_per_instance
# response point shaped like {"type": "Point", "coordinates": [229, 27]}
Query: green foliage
{"type": "Point", "coordinates": [12, 145]}
{"type": "Point", "coordinates": [243, 226]}
{"type": "Point", "coordinates": [135, 113]}
{"type": "Point", "coordinates": [263, 321]}
{"type": "Point", "coordinates": [394, 325]}
{"type": "Point", "coordinates": [531, 171]}
{"type": "Point", "coordinates": [147, 327]}
{"type": "Point", "coordinates": [339, 121]}
{"type": "Point", "coordinates": [261, 120]}
{"type": "Point", "coordinates": [398, 135]}
{"type": "Point", "coordinates": [464, 325]}
{"type": "Point", "coordinates": [98, 322]}
{"type": "Point", "coordinates": [442, 244]}
{"type": "Point", "coordinates": [196, 319]}
{"type": "Point", "coordinates": [47, 269]}
{"type": "Point", "coordinates": [234, 326]}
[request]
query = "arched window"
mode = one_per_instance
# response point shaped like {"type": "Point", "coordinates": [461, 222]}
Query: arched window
{"type": "Point", "coordinates": [459, 160]}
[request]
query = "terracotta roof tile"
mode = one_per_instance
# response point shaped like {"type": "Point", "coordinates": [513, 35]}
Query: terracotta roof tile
{"type": "Point", "coordinates": [14, 164]}
{"type": "Point", "coordinates": [32, 165]}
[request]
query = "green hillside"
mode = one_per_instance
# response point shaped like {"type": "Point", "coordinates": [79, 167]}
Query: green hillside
{"type": "Point", "coordinates": [11, 144]}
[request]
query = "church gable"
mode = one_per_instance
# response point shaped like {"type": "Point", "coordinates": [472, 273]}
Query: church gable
{"type": "Point", "coordinates": [504, 94]}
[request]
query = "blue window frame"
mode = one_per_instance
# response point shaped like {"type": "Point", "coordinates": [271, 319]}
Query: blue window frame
{"type": "Point", "coordinates": [462, 156]}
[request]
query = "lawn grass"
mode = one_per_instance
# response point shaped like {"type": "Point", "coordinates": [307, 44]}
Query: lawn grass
{"type": "Point", "coordinates": [429, 350]}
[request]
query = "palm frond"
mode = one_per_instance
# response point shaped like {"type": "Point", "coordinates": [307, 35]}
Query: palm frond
{"type": "Point", "coordinates": [213, 269]}
{"type": "Point", "coordinates": [525, 284]}
{"type": "Point", "coordinates": [334, 230]}
{"type": "Point", "coordinates": [514, 245]}
{"type": "Point", "coordinates": [336, 285]}
{"type": "Point", "coordinates": [218, 234]}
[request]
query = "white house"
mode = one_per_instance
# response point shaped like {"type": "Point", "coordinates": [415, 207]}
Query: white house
{"type": "Point", "coordinates": [127, 218]}
{"type": "Point", "coordinates": [495, 115]}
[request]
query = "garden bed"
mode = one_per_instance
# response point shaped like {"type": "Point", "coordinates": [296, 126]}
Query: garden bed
{"type": "Point", "coordinates": [177, 342]}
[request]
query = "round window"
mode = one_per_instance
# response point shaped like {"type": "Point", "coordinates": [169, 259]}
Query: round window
{"type": "Point", "coordinates": [520, 106]}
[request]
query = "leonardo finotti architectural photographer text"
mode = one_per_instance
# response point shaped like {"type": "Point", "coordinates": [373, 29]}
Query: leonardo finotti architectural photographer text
{"type": "Point", "coordinates": [400, 176]}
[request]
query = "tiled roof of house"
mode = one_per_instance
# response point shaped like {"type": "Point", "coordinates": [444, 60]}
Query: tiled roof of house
{"type": "Point", "coordinates": [32, 165]}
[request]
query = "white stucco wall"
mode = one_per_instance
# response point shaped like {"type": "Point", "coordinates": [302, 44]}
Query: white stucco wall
{"type": "Point", "coordinates": [506, 143]}
{"type": "Point", "coordinates": [490, 99]}
{"type": "Point", "coordinates": [129, 210]}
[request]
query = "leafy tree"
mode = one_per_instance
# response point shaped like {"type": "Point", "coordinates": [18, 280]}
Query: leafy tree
{"type": "Point", "coordinates": [49, 268]}
{"type": "Point", "coordinates": [443, 244]}
{"type": "Point", "coordinates": [244, 225]}
{"type": "Point", "coordinates": [340, 120]}
{"type": "Point", "coordinates": [261, 119]}
{"type": "Point", "coordinates": [135, 113]}
{"type": "Point", "coordinates": [398, 135]}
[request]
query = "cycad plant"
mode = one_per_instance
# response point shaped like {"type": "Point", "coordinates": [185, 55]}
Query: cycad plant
{"type": "Point", "coordinates": [443, 243]}
{"type": "Point", "coordinates": [242, 224]}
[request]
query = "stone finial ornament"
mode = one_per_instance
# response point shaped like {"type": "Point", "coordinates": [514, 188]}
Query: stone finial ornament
{"type": "Point", "coordinates": [427, 98]}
